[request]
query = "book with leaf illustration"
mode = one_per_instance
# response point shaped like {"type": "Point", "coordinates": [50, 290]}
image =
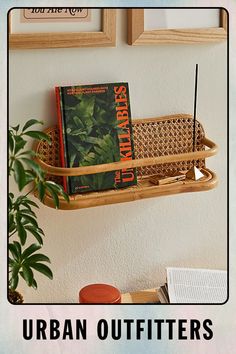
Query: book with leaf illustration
{"type": "Point", "coordinates": [95, 128]}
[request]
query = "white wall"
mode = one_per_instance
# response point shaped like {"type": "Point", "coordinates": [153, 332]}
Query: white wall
{"type": "Point", "coordinates": [129, 245]}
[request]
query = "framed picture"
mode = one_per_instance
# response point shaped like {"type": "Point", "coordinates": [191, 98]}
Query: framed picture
{"type": "Point", "coordinates": [31, 28]}
{"type": "Point", "coordinates": [176, 25]}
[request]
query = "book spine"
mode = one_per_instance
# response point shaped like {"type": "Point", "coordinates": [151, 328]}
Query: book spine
{"type": "Point", "coordinates": [60, 123]}
{"type": "Point", "coordinates": [124, 177]}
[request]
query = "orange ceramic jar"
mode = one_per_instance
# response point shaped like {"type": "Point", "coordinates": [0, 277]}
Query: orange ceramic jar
{"type": "Point", "coordinates": [99, 294]}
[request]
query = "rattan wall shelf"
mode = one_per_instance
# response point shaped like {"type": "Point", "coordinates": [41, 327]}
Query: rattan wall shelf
{"type": "Point", "coordinates": [162, 145]}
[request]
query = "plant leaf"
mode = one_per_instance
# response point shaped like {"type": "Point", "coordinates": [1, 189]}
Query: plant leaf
{"type": "Point", "coordinates": [10, 201]}
{"type": "Point", "coordinates": [11, 221]}
{"type": "Point", "coordinates": [28, 212]}
{"type": "Point", "coordinates": [21, 231]}
{"type": "Point", "coordinates": [18, 248]}
{"type": "Point", "coordinates": [16, 128]}
{"type": "Point", "coordinates": [34, 166]}
{"type": "Point", "coordinates": [26, 202]}
{"type": "Point", "coordinates": [54, 195]}
{"type": "Point", "coordinates": [38, 135]}
{"type": "Point", "coordinates": [54, 185]}
{"type": "Point", "coordinates": [35, 231]}
{"type": "Point", "coordinates": [29, 153]}
{"type": "Point", "coordinates": [12, 227]}
{"type": "Point", "coordinates": [29, 219]}
{"type": "Point", "coordinates": [34, 284]}
{"type": "Point", "coordinates": [31, 249]}
{"type": "Point", "coordinates": [31, 122]}
{"type": "Point", "coordinates": [19, 174]}
{"type": "Point", "coordinates": [19, 143]}
{"type": "Point", "coordinates": [65, 196]}
{"type": "Point", "coordinates": [28, 274]}
{"type": "Point", "coordinates": [14, 282]}
{"type": "Point", "coordinates": [15, 270]}
{"type": "Point", "coordinates": [59, 189]}
{"type": "Point", "coordinates": [37, 258]}
{"type": "Point", "coordinates": [11, 262]}
{"type": "Point", "coordinates": [13, 251]}
{"type": "Point", "coordinates": [29, 177]}
{"type": "Point", "coordinates": [42, 268]}
{"type": "Point", "coordinates": [41, 189]}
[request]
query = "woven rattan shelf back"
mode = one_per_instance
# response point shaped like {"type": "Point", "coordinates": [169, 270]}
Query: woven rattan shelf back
{"type": "Point", "coordinates": [162, 146]}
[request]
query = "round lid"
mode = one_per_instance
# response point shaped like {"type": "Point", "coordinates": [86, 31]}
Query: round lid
{"type": "Point", "coordinates": [99, 294]}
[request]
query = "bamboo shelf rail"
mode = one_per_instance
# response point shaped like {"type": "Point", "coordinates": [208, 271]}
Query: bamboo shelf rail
{"type": "Point", "coordinates": [162, 145]}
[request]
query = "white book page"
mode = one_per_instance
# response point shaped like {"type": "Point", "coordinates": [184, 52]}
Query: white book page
{"type": "Point", "coordinates": [187, 285]}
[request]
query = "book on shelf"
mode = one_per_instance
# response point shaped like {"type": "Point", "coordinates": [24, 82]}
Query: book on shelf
{"type": "Point", "coordinates": [163, 294]}
{"type": "Point", "coordinates": [190, 285]}
{"type": "Point", "coordinates": [95, 128]}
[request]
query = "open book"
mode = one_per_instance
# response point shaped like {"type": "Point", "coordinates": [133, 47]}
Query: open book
{"type": "Point", "coordinates": [188, 285]}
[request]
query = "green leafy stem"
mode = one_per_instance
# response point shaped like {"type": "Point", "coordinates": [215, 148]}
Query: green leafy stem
{"type": "Point", "coordinates": [22, 219]}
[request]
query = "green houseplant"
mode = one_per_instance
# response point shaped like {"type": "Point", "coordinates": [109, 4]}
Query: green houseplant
{"type": "Point", "coordinates": [24, 257]}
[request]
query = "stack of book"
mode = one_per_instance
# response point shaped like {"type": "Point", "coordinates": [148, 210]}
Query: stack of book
{"type": "Point", "coordinates": [163, 294]}
{"type": "Point", "coordinates": [189, 285]}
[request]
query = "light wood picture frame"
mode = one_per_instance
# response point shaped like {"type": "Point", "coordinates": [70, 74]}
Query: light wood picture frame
{"type": "Point", "coordinates": [103, 38]}
{"type": "Point", "coordinates": [137, 35]}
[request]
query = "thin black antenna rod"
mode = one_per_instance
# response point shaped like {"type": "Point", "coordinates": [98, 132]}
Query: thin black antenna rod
{"type": "Point", "coordinates": [195, 108]}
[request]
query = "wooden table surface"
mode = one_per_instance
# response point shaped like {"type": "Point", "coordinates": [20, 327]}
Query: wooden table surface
{"type": "Point", "coordinates": [140, 297]}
